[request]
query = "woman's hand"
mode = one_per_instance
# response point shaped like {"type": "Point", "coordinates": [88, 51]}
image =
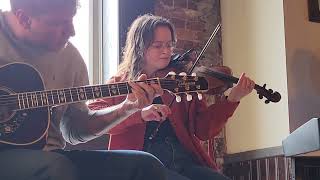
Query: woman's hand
{"type": "Point", "coordinates": [155, 112]}
{"type": "Point", "coordinates": [244, 87]}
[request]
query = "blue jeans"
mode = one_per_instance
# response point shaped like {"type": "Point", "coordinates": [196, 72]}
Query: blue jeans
{"type": "Point", "coordinates": [179, 162]}
{"type": "Point", "coordinates": [79, 165]}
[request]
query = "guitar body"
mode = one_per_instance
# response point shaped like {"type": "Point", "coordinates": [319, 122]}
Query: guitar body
{"type": "Point", "coordinates": [21, 128]}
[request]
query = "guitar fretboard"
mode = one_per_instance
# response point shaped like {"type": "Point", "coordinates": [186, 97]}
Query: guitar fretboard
{"type": "Point", "coordinates": [46, 98]}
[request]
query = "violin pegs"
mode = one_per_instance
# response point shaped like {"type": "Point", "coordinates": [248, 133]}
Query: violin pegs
{"type": "Point", "coordinates": [199, 96]}
{"type": "Point", "coordinates": [182, 74]}
{"type": "Point", "coordinates": [178, 98]}
{"type": "Point", "coordinates": [172, 73]}
{"type": "Point", "coordinates": [194, 74]}
{"type": "Point", "coordinates": [189, 97]}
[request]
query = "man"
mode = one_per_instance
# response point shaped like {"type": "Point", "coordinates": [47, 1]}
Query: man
{"type": "Point", "coordinates": [36, 32]}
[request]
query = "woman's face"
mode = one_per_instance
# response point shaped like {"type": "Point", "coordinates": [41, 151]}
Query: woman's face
{"type": "Point", "coordinates": [158, 54]}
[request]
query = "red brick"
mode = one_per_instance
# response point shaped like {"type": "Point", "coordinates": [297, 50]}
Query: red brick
{"type": "Point", "coordinates": [192, 5]}
{"type": "Point", "coordinates": [193, 15]}
{"type": "Point", "coordinates": [178, 13]}
{"type": "Point", "coordinates": [159, 9]}
{"type": "Point", "coordinates": [195, 25]}
{"type": "Point", "coordinates": [199, 35]}
{"type": "Point", "coordinates": [198, 45]}
{"type": "Point", "coordinates": [170, 12]}
{"type": "Point", "coordinates": [178, 50]}
{"type": "Point", "coordinates": [186, 34]}
{"type": "Point", "coordinates": [185, 44]}
{"type": "Point", "coordinates": [178, 23]}
{"type": "Point", "coordinates": [167, 2]}
{"type": "Point", "coordinates": [180, 3]}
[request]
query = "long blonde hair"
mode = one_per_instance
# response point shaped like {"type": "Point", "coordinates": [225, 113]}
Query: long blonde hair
{"type": "Point", "coordinates": [139, 38]}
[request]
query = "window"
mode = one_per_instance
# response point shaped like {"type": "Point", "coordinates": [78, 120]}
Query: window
{"type": "Point", "coordinates": [110, 38]}
{"type": "Point", "coordinates": [82, 29]}
{"type": "Point", "coordinates": [5, 5]}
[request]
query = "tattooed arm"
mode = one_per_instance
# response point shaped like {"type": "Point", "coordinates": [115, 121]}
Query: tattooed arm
{"type": "Point", "coordinates": [80, 129]}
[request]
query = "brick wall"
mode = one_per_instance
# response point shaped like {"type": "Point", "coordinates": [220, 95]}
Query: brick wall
{"type": "Point", "coordinates": [194, 20]}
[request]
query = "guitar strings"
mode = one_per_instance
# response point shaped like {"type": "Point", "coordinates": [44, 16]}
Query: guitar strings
{"type": "Point", "coordinates": [119, 86]}
{"type": "Point", "coordinates": [88, 88]}
{"type": "Point", "coordinates": [13, 99]}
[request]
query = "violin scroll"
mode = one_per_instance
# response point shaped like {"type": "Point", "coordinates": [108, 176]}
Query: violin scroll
{"type": "Point", "coordinates": [270, 95]}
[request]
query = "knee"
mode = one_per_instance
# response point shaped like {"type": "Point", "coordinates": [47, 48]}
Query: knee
{"type": "Point", "coordinates": [151, 166]}
{"type": "Point", "coordinates": [61, 168]}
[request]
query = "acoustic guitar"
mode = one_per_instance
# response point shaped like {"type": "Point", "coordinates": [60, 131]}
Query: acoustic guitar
{"type": "Point", "coordinates": [25, 104]}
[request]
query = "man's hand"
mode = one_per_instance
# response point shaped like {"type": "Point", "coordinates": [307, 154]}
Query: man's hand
{"type": "Point", "coordinates": [143, 94]}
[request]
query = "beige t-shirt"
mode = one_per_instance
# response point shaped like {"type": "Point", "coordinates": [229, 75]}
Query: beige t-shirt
{"type": "Point", "coordinates": [63, 69]}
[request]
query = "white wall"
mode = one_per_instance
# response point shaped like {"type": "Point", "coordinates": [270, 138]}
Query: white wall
{"type": "Point", "coordinates": [253, 40]}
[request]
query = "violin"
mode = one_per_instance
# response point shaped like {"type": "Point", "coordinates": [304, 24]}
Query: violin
{"type": "Point", "coordinates": [216, 86]}
{"type": "Point", "coordinates": [219, 78]}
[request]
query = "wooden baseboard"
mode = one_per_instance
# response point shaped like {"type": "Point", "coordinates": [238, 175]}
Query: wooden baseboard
{"type": "Point", "coordinates": [268, 164]}
{"type": "Point", "coordinates": [253, 155]}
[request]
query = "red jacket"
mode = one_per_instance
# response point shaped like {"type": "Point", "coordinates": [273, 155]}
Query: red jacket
{"type": "Point", "coordinates": [192, 121]}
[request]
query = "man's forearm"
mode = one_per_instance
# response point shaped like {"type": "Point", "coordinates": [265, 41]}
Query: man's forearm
{"type": "Point", "coordinates": [105, 119]}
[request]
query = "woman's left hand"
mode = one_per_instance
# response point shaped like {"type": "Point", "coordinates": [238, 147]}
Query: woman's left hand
{"type": "Point", "coordinates": [155, 112]}
{"type": "Point", "coordinates": [244, 87]}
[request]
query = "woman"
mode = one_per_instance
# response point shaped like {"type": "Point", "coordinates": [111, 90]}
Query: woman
{"type": "Point", "coordinates": [172, 133]}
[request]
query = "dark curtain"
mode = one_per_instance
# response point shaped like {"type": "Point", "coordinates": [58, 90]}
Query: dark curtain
{"type": "Point", "coordinates": [129, 10]}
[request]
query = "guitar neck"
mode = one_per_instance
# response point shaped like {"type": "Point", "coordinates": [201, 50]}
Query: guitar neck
{"type": "Point", "coordinates": [47, 98]}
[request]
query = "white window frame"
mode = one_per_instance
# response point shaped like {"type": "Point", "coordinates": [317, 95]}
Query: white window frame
{"type": "Point", "coordinates": [110, 28]}
{"type": "Point", "coordinates": [95, 68]}
{"type": "Point", "coordinates": [104, 47]}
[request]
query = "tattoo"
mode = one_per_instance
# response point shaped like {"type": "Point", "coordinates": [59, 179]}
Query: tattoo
{"type": "Point", "coordinates": [105, 119]}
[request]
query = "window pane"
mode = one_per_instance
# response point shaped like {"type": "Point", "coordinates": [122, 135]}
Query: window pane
{"type": "Point", "coordinates": [110, 38]}
{"type": "Point", "coordinates": [5, 5]}
{"type": "Point", "coordinates": [82, 28]}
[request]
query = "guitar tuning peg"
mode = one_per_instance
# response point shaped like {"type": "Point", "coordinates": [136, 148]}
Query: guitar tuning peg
{"type": "Point", "coordinates": [172, 73]}
{"type": "Point", "coordinates": [199, 96]}
{"type": "Point", "coordinates": [193, 74]}
{"type": "Point", "coordinates": [182, 74]}
{"type": "Point", "coordinates": [178, 98]}
{"type": "Point", "coordinates": [189, 97]}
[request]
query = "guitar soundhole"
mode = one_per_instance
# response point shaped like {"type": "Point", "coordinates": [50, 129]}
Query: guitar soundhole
{"type": "Point", "coordinates": [6, 106]}
{"type": "Point", "coordinates": [8, 123]}
{"type": "Point", "coordinates": [14, 123]}
{"type": "Point", "coordinates": [5, 114]}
